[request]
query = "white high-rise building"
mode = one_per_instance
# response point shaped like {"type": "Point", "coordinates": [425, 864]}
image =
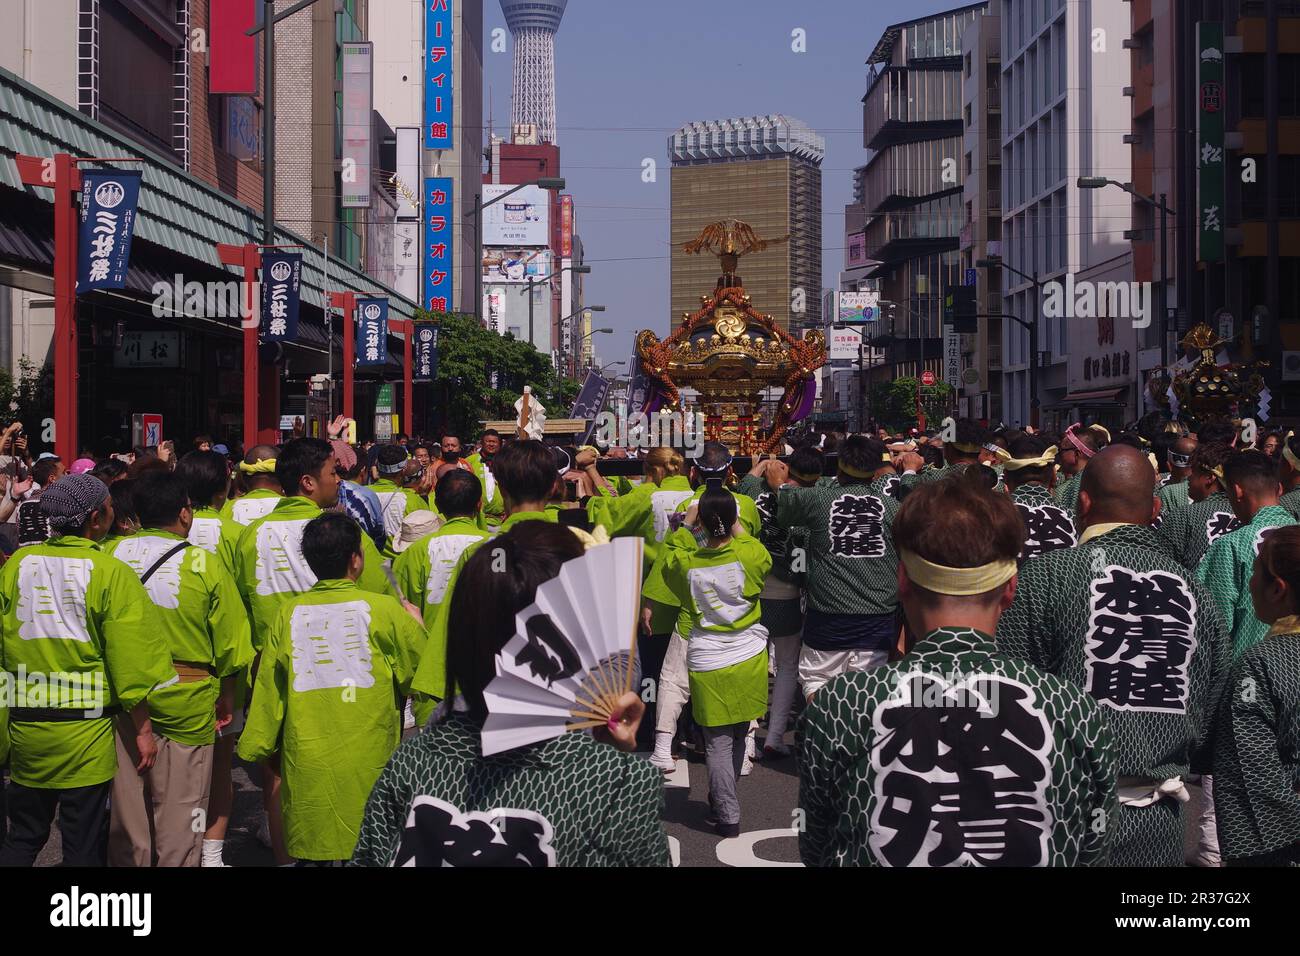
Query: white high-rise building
{"type": "Point", "coordinates": [1064, 109]}
{"type": "Point", "coordinates": [532, 26]}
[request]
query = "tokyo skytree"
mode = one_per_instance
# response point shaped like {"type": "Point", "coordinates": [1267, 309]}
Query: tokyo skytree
{"type": "Point", "coordinates": [532, 25]}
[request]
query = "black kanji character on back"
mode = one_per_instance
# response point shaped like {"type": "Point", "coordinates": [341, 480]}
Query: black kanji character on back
{"type": "Point", "coordinates": [1140, 640]}
{"type": "Point", "coordinates": [1047, 528]}
{"type": "Point", "coordinates": [857, 526]}
{"type": "Point", "coordinates": [973, 776]}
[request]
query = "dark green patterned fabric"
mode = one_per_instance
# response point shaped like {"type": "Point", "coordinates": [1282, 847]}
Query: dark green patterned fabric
{"type": "Point", "coordinates": [780, 542]}
{"type": "Point", "coordinates": [1048, 526]}
{"type": "Point", "coordinates": [578, 802]}
{"type": "Point", "coordinates": [955, 755]}
{"type": "Point", "coordinates": [1066, 492]}
{"type": "Point", "coordinates": [1257, 753]}
{"type": "Point", "coordinates": [1127, 623]}
{"type": "Point", "coordinates": [1226, 570]}
{"type": "Point", "coordinates": [1186, 534]}
{"type": "Point", "coordinates": [852, 567]}
{"type": "Point", "coordinates": [1173, 496]}
{"type": "Point", "coordinates": [1291, 502]}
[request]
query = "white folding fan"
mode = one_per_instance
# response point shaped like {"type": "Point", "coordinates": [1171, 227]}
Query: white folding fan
{"type": "Point", "coordinates": [573, 653]}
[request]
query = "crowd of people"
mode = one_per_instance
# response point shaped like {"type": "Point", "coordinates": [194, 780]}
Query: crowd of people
{"type": "Point", "coordinates": [974, 646]}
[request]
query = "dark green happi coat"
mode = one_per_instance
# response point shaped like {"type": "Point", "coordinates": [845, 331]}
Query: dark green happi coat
{"type": "Point", "coordinates": [956, 755]}
{"type": "Point", "coordinates": [1257, 752]}
{"type": "Point", "coordinates": [571, 801]}
{"type": "Point", "coordinates": [1048, 526]}
{"type": "Point", "coordinates": [1066, 493]}
{"type": "Point", "coordinates": [852, 566]}
{"type": "Point", "coordinates": [1185, 534]}
{"type": "Point", "coordinates": [1125, 622]}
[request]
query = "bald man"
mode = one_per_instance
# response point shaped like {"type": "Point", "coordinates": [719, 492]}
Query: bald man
{"type": "Point", "coordinates": [260, 486]}
{"type": "Point", "coordinates": [1123, 620]}
{"type": "Point", "coordinates": [1175, 493]}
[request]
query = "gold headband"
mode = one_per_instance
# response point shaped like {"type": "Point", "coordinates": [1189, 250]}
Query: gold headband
{"type": "Point", "coordinates": [887, 457]}
{"type": "Point", "coordinates": [1042, 461]}
{"type": "Point", "coordinates": [800, 476]}
{"type": "Point", "coordinates": [967, 449]}
{"type": "Point", "coordinates": [959, 582]}
{"type": "Point", "coordinates": [1290, 456]}
{"type": "Point", "coordinates": [854, 473]}
{"type": "Point", "coordinates": [264, 466]}
{"type": "Point", "coordinates": [1217, 472]}
{"type": "Point", "coordinates": [1102, 429]}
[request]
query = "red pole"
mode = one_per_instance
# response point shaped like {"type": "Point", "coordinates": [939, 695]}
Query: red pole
{"type": "Point", "coordinates": [347, 301]}
{"type": "Point", "coordinates": [67, 183]}
{"type": "Point", "coordinates": [249, 257]}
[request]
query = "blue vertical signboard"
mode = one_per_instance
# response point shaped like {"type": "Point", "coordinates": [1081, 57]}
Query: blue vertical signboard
{"type": "Point", "coordinates": [372, 331]}
{"type": "Point", "coordinates": [108, 202]}
{"type": "Point", "coordinates": [281, 275]}
{"type": "Point", "coordinates": [426, 353]}
{"type": "Point", "coordinates": [438, 74]}
{"type": "Point", "coordinates": [439, 214]}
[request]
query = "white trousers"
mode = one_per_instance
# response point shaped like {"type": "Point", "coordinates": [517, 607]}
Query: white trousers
{"type": "Point", "coordinates": [819, 668]}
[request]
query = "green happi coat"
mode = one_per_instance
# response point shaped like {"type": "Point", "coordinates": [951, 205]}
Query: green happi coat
{"type": "Point", "coordinates": [1173, 496]}
{"type": "Point", "coordinates": [1187, 533]}
{"type": "Point", "coordinates": [1088, 614]}
{"type": "Point", "coordinates": [1257, 752]}
{"type": "Point", "coordinates": [901, 762]}
{"type": "Point", "coordinates": [395, 504]}
{"type": "Point", "coordinates": [216, 534]}
{"type": "Point", "coordinates": [76, 623]}
{"type": "Point", "coordinates": [1048, 526]}
{"type": "Point", "coordinates": [1226, 571]}
{"type": "Point", "coordinates": [328, 700]}
{"type": "Point", "coordinates": [494, 506]}
{"type": "Point", "coordinates": [571, 801]}
{"type": "Point", "coordinates": [717, 590]}
{"type": "Point", "coordinates": [270, 569]}
{"type": "Point", "coordinates": [431, 675]}
{"type": "Point", "coordinates": [645, 512]}
{"type": "Point", "coordinates": [248, 508]}
{"type": "Point", "coordinates": [852, 566]}
{"type": "Point", "coordinates": [423, 572]}
{"type": "Point", "coordinates": [205, 624]}
{"type": "Point", "coordinates": [664, 606]}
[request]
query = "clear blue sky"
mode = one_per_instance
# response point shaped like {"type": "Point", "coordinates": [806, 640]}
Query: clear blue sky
{"type": "Point", "coordinates": [629, 72]}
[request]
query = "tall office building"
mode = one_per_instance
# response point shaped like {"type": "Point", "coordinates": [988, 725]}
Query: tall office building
{"type": "Point", "coordinates": [1065, 73]}
{"type": "Point", "coordinates": [763, 170]}
{"type": "Point", "coordinates": [532, 26]}
{"type": "Point", "coordinates": [912, 184]}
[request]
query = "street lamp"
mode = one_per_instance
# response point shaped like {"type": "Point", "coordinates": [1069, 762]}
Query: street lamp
{"type": "Point", "coordinates": [995, 262]}
{"type": "Point", "coordinates": [1101, 182]}
{"type": "Point", "coordinates": [549, 183]}
{"type": "Point", "coordinates": [564, 322]}
{"type": "Point", "coordinates": [578, 270]}
{"type": "Point", "coordinates": [605, 368]}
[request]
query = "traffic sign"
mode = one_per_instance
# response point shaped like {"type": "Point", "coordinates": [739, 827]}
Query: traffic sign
{"type": "Point", "coordinates": [927, 378]}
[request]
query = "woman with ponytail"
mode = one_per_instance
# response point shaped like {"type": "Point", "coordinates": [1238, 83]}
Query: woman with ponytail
{"type": "Point", "coordinates": [716, 572]}
{"type": "Point", "coordinates": [1256, 739]}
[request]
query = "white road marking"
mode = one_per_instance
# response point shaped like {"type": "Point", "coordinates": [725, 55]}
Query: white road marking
{"type": "Point", "coordinates": [739, 851]}
{"type": "Point", "coordinates": [675, 850]}
{"type": "Point", "coordinates": [681, 775]}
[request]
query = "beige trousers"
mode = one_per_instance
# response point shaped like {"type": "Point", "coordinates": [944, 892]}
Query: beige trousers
{"type": "Point", "coordinates": [154, 820]}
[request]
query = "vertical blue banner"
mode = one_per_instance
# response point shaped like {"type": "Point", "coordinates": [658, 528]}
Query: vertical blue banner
{"type": "Point", "coordinates": [108, 203]}
{"type": "Point", "coordinates": [372, 331]}
{"type": "Point", "coordinates": [438, 75]}
{"type": "Point", "coordinates": [281, 277]}
{"type": "Point", "coordinates": [439, 214]}
{"type": "Point", "coordinates": [426, 353]}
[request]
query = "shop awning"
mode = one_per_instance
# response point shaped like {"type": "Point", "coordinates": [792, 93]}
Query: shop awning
{"type": "Point", "coordinates": [177, 212]}
{"type": "Point", "coordinates": [1104, 396]}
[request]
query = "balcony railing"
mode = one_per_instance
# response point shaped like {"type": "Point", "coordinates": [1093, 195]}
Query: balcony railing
{"type": "Point", "coordinates": [995, 356]}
